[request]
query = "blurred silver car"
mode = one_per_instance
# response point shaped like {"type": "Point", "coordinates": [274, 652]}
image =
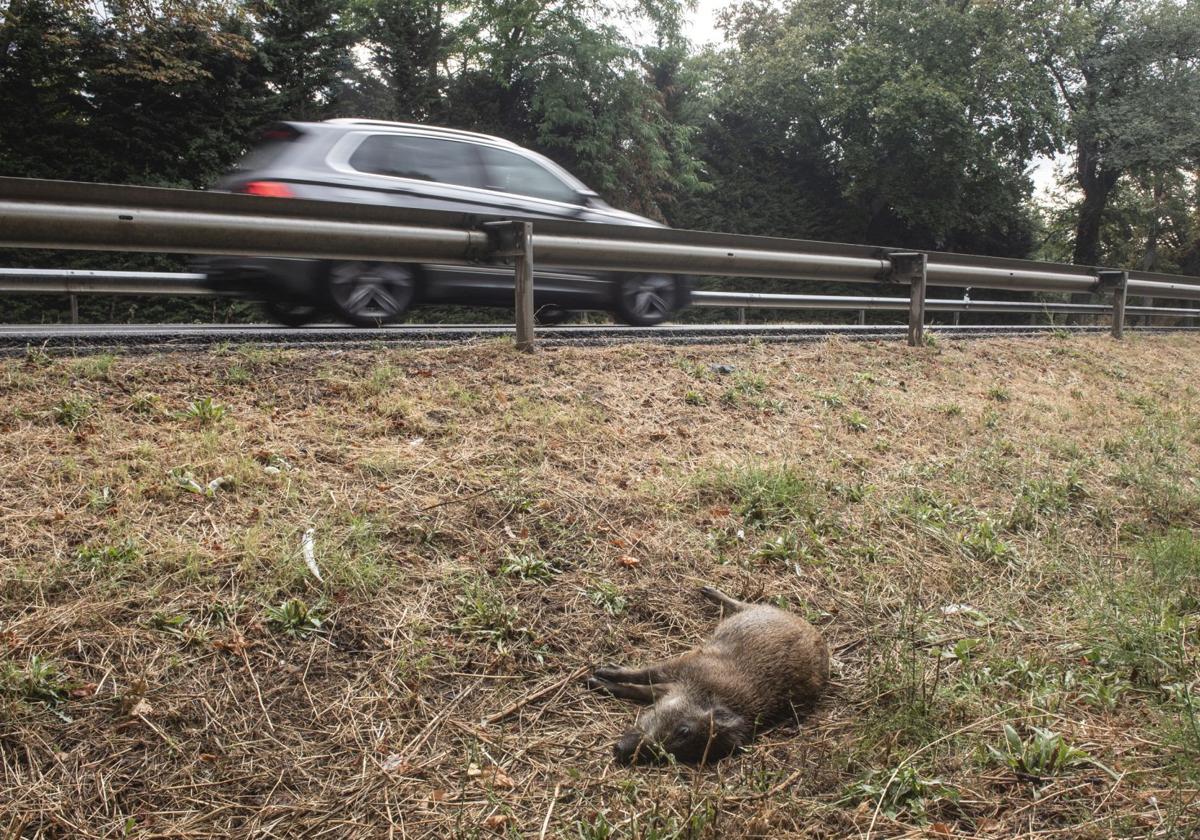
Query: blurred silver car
{"type": "Point", "coordinates": [417, 166]}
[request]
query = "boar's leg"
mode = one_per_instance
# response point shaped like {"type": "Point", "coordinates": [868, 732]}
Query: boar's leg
{"type": "Point", "coordinates": [726, 603]}
{"type": "Point", "coordinates": [658, 672]}
{"type": "Point", "coordinates": [646, 694]}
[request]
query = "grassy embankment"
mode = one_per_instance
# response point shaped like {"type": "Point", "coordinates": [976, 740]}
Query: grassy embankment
{"type": "Point", "coordinates": [996, 537]}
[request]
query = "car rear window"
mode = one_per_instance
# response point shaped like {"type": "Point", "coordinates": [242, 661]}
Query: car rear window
{"type": "Point", "coordinates": [422, 158]}
{"type": "Point", "coordinates": [513, 173]}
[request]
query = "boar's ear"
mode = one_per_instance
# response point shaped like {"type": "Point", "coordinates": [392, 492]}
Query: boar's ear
{"type": "Point", "coordinates": [728, 723]}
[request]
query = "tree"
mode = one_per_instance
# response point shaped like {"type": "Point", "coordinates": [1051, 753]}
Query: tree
{"type": "Point", "coordinates": [305, 45]}
{"type": "Point", "coordinates": [925, 114]}
{"type": "Point", "coordinates": [44, 46]}
{"type": "Point", "coordinates": [561, 77]}
{"type": "Point", "coordinates": [407, 41]}
{"type": "Point", "coordinates": [174, 93]}
{"type": "Point", "coordinates": [1128, 74]}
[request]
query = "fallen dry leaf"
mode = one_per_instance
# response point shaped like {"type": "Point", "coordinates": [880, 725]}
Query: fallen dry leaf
{"type": "Point", "coordinates": [235, 644]}
{"type": "Point", "coordinates": [141, 708]}
{"type": "Point", "coordinates": [496, 822]}
{"type": "Point", "coordinates": [941, 829]}
{"type": "Point", "coordinates": [85, 690]}
{"type": "Point", "coordinates": [627, 561]}
{"type": "Point", "coordinates": [492, 776]}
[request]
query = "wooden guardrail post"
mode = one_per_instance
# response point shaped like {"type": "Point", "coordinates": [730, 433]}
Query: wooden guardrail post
{"type": "Point", "coordinates": [909, 267]}
{"type": "Point", "coordinates": [523, 248]}
{"type": "Point", "coordinates": [515, 240]}
{"type": "Point", "coordinates": [1118, 281]}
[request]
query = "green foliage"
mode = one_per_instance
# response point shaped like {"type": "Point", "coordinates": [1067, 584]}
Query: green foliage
{"type": "Point", "coordinates": [1041, 756]}
{"type": "Point", "coordinates": [295, 618]}
{"type": "Point", "coordinates": [37, 357]}
{"type": "Point", "coordinates": [855, 420]}
{"type": "Point", "coordinates": [607, 596]}
{"type": "Point", "coordinates": [1127, 74]}
{"type": "Point", "coordinates": [40, 681]}
{"type": "Point", "coordinates": [528, 566]}
{"type": "Point", "coordinates": [983, 543]}
{"type": "Point", "coordinates": [483, 613]}
{"type": "Point", "coordinates": [903, 794]}
{"type": "Point", "coordinates": [1044, 497]}
{"type": "Point", "coordinates": [1141, 627]}
{"type": "Point", "coordinates": [205, 412]}
{"type": "Point", "coordinates": [766, 496]}
{"type": "Point", "coordinates": [72, 412]}
{"type": "Point", "coordinates": [106, 558]}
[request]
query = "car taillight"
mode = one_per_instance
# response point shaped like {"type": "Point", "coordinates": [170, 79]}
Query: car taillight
{"type": "Point", "coordinates": [271, 189]}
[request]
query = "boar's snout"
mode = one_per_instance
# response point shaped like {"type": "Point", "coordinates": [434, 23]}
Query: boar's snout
{"type": "Point", "coordinates": [630, 747]}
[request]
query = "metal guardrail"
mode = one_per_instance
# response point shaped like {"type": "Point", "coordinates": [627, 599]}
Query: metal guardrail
{"type": "Point", "coordinates": [762, 300]}
{"type": "Point", "coordinates": [87, 281]}
{"type": "Point", "coordinates": [73, 281]}
{"type": "Point", "coordinates": [68, 215]}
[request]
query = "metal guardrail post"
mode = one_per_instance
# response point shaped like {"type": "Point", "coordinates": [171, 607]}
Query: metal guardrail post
{"type": "Point", "coordinates": [74, 309]}
{"type": "Point", "coordinates": [909, 267]}
{"type": "Point", "coordinates": [1118, 281]}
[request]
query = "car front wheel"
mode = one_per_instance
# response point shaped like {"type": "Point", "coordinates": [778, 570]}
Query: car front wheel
{"type": "Point", "coordinates": [647, 300]}
{"type": "Point", "coordinates": [369, 294]}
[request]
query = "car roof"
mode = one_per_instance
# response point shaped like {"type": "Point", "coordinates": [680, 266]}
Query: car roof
{"type": "Point", "coordinates": [424, 129]}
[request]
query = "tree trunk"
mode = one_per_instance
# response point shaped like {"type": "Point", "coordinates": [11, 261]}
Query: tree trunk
{"type": "Point", "coordinates": [1097, 184]}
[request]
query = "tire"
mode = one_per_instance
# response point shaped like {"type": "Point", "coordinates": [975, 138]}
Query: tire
{"type": "Point", "coordinates": [369, 294]}
{"type": "Point", "coordinates": [647, 300]}
{"type": "Point", "coordinates": [290, 314]}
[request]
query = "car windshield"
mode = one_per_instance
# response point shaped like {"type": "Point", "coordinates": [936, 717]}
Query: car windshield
{"type": "Point", "coordinates": [513, 173]}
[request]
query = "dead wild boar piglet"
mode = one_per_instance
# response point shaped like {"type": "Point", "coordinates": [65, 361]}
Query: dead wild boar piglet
{"type": "Point", "coordinates": [761, 665]}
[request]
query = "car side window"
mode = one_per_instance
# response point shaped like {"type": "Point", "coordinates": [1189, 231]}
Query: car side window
{"type": "Point", "coordinates": [513, 173]}
{"type": "Point", "coordinates": [422, 158]}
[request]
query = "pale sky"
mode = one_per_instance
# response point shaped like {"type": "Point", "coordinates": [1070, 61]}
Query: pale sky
{"type": "Point", "coordinates": [701, 26]}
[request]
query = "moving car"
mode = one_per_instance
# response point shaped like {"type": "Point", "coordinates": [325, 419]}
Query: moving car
{"type": "Point", "coordinates": [417, 166]}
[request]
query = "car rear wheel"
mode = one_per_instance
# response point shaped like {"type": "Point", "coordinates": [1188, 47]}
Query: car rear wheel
{"type": "Point", "coordinates": [646, 300]}
{"type": "Point", "coordinates": [368, 294]}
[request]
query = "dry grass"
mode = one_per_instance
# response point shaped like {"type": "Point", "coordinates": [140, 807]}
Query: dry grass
{"type": "Point", "coordinates": [488, 525]}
